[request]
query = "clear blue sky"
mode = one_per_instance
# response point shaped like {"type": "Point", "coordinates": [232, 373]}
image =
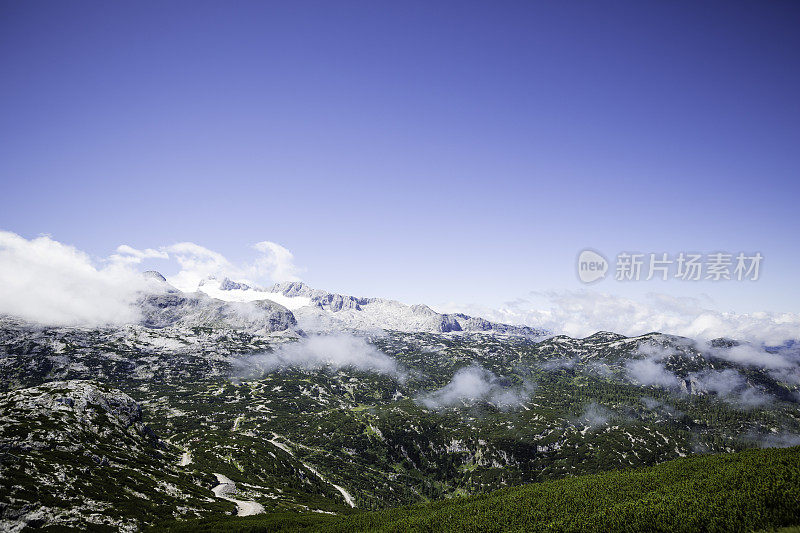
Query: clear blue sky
{"type": "Point", "coordinates": [427, 151]}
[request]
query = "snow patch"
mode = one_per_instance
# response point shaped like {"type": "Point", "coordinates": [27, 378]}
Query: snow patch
{"type": "Point", "coordinates": [212, 288]}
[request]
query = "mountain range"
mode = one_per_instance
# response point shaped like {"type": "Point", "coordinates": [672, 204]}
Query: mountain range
{"type": "Point", "coordinates": [298, 404]}
{"type": "Point", "coordinates": [285, 305]}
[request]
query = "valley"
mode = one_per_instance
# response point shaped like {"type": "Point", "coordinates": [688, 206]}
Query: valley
{"type": "Point", "coordinates": [222, 420]}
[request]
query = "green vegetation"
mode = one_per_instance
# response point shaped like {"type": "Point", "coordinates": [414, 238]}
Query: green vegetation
{"type": "Point", "coordinates": [748, 491]}
{"type": "Point", "coordinates": [293, 439]}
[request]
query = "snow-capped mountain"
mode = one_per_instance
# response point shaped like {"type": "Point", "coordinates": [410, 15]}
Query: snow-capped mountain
{"type": "Point", "coordinates": [232, 291]}
{"type": "Point", "coordinates": [164, 306]}
{"type": "Point", "coordinates": [132, 427]}
{"type": "Point", "coordinates": [317, 310]}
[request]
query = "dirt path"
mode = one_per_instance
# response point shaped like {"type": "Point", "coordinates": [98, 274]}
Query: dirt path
{"type": "Point", "coordinates": [227, 487]}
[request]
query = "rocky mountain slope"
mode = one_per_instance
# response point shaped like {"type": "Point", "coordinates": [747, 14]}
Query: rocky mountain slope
{"type": "Point", "coordinates": [166, 306]}
{"type": "Point", "coordinates": [296, 308]}
{"type": "Point", "coordinates": [318, 423]}
{"type": "Point", "coordinates": [78, 454]}
{"type": "Point", "coordinates": [755, 490]}
{"type": "Point", "coordinates": [234, 400]}
{"type": "Point", "coordinates": [318, 310]}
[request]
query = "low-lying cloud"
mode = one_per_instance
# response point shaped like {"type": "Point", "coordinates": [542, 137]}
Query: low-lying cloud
{"type": "Point", "coordinates": [650, 372]}
{"type": "Point", "coordinates": [595, 415]}
{"type": "Point", "coordinates": [475, 383]}
{"type": "Point", "coordinates": [560, 363]}
{"type": "Point", "coordinates": [779, 440]}
{"type": "Point", "coordinates": [321, 352]}
{"type": "Point", "coordinates": [749, 355]}
{"type": "Point", "coordinates": [659, 406]}
{"type": "Point", "coordinates": [727, 384]}
{"type": "Point", "coordinates": [582, 313]}
{"type": "Point", "coordinates": [51, 283]}
{"type": "Point", "coordinates": [731, 386]}
{"type": "Point", "coordinates": [600, 369]}
{"type": "Point", "coordinates": [47, 282]}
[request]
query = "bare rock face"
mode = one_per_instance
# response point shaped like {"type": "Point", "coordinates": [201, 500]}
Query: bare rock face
{"type": "Point", "coordinates": [154, 275]}
{"type": "Point", "coordinates": [167, 306]}
{"type": "Point", "coordinates": [367, 313]}
{"type": "Point", "coordinates": [228, 285]}
{"type": "Point", "coordinates": [449, 323]}
{"type": "Point", "coordinates": [319, 298]}
{"type": "Point", "coordinates": [86, 406]}
{"type": "Point", "coordinates": [337, 302]}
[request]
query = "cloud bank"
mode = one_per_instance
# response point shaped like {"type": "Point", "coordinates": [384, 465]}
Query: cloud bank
{"type": "Point", "coordinates": [475, 383]}
{"type": "Point", "coordinates": [731, 386]}
{"type": "Point", "coordinates": [47, 282]}
{"type": "Point", "coordinates": [582, 313]}
{"type": "Point", "coordinates": [727, 384]}
{"type": "Point", "coordinates": [749, 355]}
{"type": "Point", "coordinates": [273, 262]}
{"type": "Point", "coordinates": [321, 352]}
{"type": "Point", "coordinates": [44, 281]}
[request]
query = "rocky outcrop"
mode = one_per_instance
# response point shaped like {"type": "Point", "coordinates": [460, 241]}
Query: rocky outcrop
{"type": "Point", "coordinates": [324, 300]}
{"type": "Point", "coordinates": [197, 309]}
{"type": "Point", "coordinates": [85, 446]}
{"type": "Point", "coordinates": [229, 285]}
{"type": "Point", "coordinates": [448, 323]}
{"type": "Point", "coordinates": [470, 323]}
{"type": "Point", "coordinates": [87, 406]}
{"type": "Point", "coordinates": [367, 313]}
{"type": "Point", "coordinates": [154, 275]}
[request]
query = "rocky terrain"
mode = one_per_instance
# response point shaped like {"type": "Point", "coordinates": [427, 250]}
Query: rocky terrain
{"type": "Point", "coordinates": [167, 306]}
{"type": "Point", "coordinates": [78, 454]}
{"type": "Point", "coordinates": [205, 410]}
{"type": "Point", "coordinates": [319, 310]}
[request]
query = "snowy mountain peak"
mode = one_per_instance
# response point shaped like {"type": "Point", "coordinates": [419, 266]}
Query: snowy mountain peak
{"type": "Point", "coordinates": [330, 311]}
{"type": "Point", "coordinates": [319, 310]}
{"type": "Point", "coordinates": [230, 285]}
{"type": "Point", "coordinates": [292, 288]}
{"type": "Point", "coordinates": [154, 275]}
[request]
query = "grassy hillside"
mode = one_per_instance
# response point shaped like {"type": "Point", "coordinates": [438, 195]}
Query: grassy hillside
{"type": "Point", "coordinates": [748, 491]}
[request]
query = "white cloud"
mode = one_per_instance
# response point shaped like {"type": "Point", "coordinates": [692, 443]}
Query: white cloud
{"type": "Point", "coordinates": [595, 415]}
{"type": "Point", "coordinates": [274, 263]}
{"type": "Point", "coordinates": [198, 263]}
{"type": "Point", "coordinates": [277, 262]}
{"type": "Point", "coordinates": [582, 313]}
{"type": "Point", "coordinates": [655, 352]}
{"type": "Point", "coordinates": [650, 372]}
{"type": "Point", "coordinates": [730, 386]}
{"type": "Point", "coordinates": [322, 352]}
{"type": "Point", "coordinates": [751, 356]}
{"type": "Point", "coordinates": [656, 405]}
{"type": "Point", "coordinates": [44, 281]}
{"type": "Point", "coordinates": [129, 255]}
{"type": "Point", "coordinates": [558, 364]}
{"type": "Point", "coordinates": [780, 440]}
{"type": "Point", "coordinates": [600, 369]}
{"type": "Point", "coordinates": [475, 383]}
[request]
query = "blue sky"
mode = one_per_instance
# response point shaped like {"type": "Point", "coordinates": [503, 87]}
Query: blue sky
{"type": "Point", "coordinates": [425, 151]}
